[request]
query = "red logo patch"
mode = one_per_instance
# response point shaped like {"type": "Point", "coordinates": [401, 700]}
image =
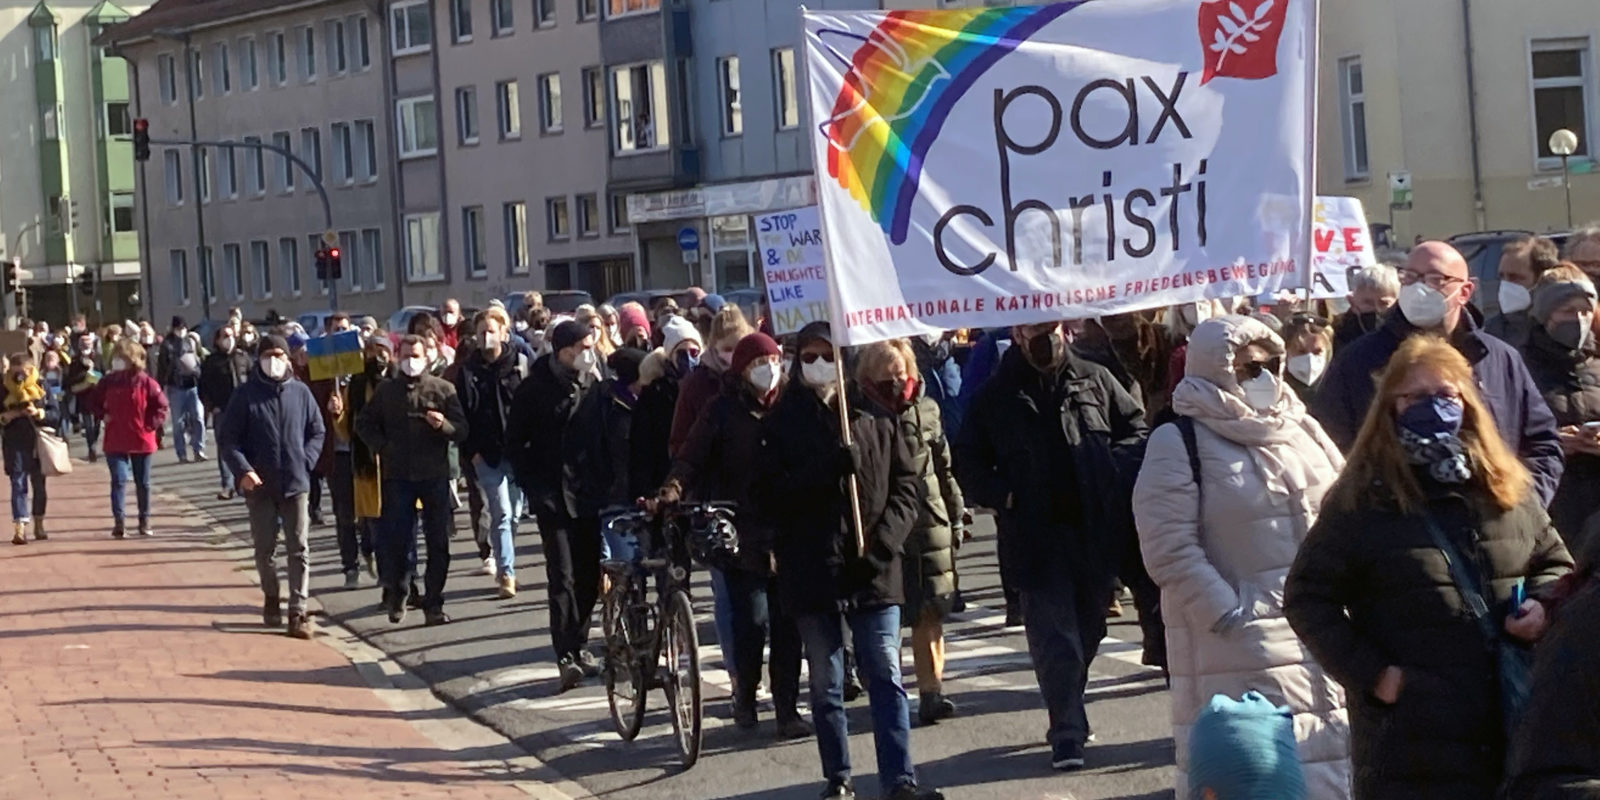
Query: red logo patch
{"type": "Point", "coordinates": [1241, 38]}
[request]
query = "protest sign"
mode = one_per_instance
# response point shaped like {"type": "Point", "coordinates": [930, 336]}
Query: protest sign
{"type": "Point", "coordinates": [1341, 242]}
{"type": "Point", "coordinates": [334, 356]}
{"type": "Point", "coordinates": [793, 265]}
{"type": "Point", "coordinates": [997, 166]}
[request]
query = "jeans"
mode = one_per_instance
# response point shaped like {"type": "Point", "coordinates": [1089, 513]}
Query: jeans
{"type": "Point", "coordinates": [1065, 624]}
{"type": "Point", "coordinates": [19, 494]}
{"type": "Point", "coordinates": [354, 540]}
{"type": "Point", "coordinates": [722, 622]}
{"type": "Point", "coordinates": [614, 544]}
{"type": "Point", "coordinates": [122, 466]}
{"type": "Point", "coordinates": [265, 513]}
{"type": "Point", "coordinates": [224, 475]}
{"type": "Point", "coordinates": [187, 420]}
{"type": "Point", "coordinates": [397, 537]}
{"type": "Point", "coordinates": [500, 494]}
{"type": "Point", "coordinates": [877, 639]}
{"type": "Point", "coordinates": [756, 616]}
{"type": "Point", "coordinates": [572, 569]}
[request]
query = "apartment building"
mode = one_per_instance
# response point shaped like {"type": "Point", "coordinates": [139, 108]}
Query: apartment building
{"type": "Point", "coordinates": [239, 225]}
{"type": "Point", "coordinates": [68, 206]}
{"type": "Point", "coordinates": [1406, 90]}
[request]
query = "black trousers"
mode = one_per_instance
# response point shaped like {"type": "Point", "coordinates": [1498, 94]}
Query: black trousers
{"type": "Point", "coordinates": [759, 617]}
{"type": "Point", "coordinates": [355, 539]}
{"type": "Point", "coordinates": [572, 570]}
{"type": "Point", "coordinates": [400, 498]}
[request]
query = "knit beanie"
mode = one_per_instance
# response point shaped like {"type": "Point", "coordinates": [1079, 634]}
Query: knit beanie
{"type": "Point", "coordinates": [1244, 750]}
{"type": "Point", "coordinates": [1547, 296]}
{"type": "Point", "coordinates": [297, 341]}
{"type": "Point", "coordinates": [624, 364]}
{"type": "Point", "coordinates": [630, 317]}
{"type": "Point", "coordinates": [568, 334]}
{"type": "Point", "coordinates": [750, 348]}
{"type": "Point", "coordinates": [713, 303]}
{"type": "Point", "coordinates": [677, 331]}
{"type": "Point", "coordinates": [273, 341]}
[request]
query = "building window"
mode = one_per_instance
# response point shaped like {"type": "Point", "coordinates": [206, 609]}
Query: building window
{"type": "Point", "coordinates": [277, 58]}
{"type": "Point", "coordinates": [783, 76]}
{"type": "Point", "coordinates": [167, 74]}
{"type": "Point", "coordinates": [588, 215]}
{"type": "Point", "coordinates": [248, 79]}
{"type": "Point", "coordinates": [289, 262]}
{"type": "Point", "coordinates": [1353, 118]}
{"type": "Point", "coordinates": [557, 217]}
{"type": "Point", "coordinates": [594, 97]}
{"type": "Point", "coordinates": [179, 261]}
{"type": "Point", "coordinates": [461, 21]}
{"type": "Point", "coordinates": [222, 69]}
{"type": "Point", "coordinates": [286, 168]}
{"type": "Point", "coordinates": [502, 17]}
{"type": "Point", "coordinates": [44, 43]}
{"type": "Point", "coordinates": [639, 94]}
{"type": "Point", "coordinates": [50, 122]}
{"type": "Point", "coordinates": [516, 223]}
{"type": "Point", "coordinates": [233, 264]}
{"type": "Point", "coordinates": [422, 247]}
{"type": "Point", "coordinates": [208, 275]}
{"type": "Point", "coordinates": [1562, 82]}
{"type": "Point", "coordinates": [588, 10]}
{"type": "Point", "coordinates": [349, 250]}
{"type": "Point", "coordinates": [412, 27]}
{"type": "Point", "coordinates": [622, 8]}
{"type": "Point", "coordinates": [338, 52]}
{"type": "Point", "coordinates": [544, 13]}
{"type": "Point", "coordinates": [366, 150]}
{"type": "Point", "coordinates": [619, 213]}
{"type": "Point", "coordinates": [311, 149]}
{"type": "Point", "coordinates": [197, 72]}
{"type": "Point", "coordinates": [728, 91]}
{"type": "Point", "coordinates": [550, 103]}
{"type": "Point", "coordinates": [261, 269]}
{"type": "Point", "coordinates": [172, 164]}
{"type": "Point", "coordinates": [205, 174]}
{"type": "Point", "coordinates": [467, 115]}
{"type": "Point", "coordinates": [343, 153]}
{"type": "Point", "coordinates": [419, 134]}
{"type": "Point", "coordinates": [363, 43]}
{"type": "Point", "coordinates": [255, 168]}
{"type": "Point", "coordinates": [371, 256]}
{"type": "Point", "coordinates": [118, 123]}
{"type": "Point", "coordinates": [308, 53]}
{"type": "Point", "coordinates": [508, 109]}
{"type": "Point", "coordinates": [122, 212]}
{"type": "Point", "coordinates": [228, 172]}
{"type": "Point", "coordinates": [472, 240]}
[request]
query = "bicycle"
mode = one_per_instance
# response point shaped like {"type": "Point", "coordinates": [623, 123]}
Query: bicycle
{"type": "Point", "coordinates": [654, 644]}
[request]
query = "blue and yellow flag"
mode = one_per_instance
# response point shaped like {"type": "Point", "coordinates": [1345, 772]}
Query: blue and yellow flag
{"type": "Point", "coordinates": [334, 356]}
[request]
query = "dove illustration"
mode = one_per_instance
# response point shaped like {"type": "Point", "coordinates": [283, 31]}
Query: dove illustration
{"type": "Point", "coordinates": [885, 80]}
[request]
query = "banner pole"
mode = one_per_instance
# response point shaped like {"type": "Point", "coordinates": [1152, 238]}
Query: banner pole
{"type": "Point", "coordinates": [852, 487]}
{"type": "Point", "coordinates": [1314, 81]}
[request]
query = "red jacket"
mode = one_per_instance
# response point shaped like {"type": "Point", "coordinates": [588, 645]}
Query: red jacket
{"type": "Point", "coordinates": [695, 394]}
{"type": "Point", "coordinates": [133, 407]}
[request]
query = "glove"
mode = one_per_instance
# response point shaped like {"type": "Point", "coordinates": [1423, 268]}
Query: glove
{"type": "Point", "coordinates": [669, 494]}
{"type": "Point", "coordinates": [849, 463]}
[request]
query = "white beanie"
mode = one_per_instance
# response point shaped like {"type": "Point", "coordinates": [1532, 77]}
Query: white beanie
{"type": "Point", "coordinates": [678, 330]}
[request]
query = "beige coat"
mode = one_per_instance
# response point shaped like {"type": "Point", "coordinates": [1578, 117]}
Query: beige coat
{"type": "Point", "coordinates": [1226, 556]}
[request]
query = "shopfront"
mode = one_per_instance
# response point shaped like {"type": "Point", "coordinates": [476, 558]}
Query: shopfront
{"type": "Point", "coordinates": [723, 258]}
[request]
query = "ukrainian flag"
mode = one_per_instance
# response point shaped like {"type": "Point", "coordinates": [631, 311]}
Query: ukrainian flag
{"type": "Point", "coordinates": [334, 356]}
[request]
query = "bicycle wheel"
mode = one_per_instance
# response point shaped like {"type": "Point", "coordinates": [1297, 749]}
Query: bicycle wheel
{"type": "Point", "coordinates": [681, 646]}
{"type": "Point", "coordinates": [624, 683]}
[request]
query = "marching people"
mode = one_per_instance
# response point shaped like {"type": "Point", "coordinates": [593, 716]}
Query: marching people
{"type": "Point", "coordinates": [1406, 588]}
{"type": "Point", "coordinates": [941, 376]}
{"type": "Point", "coordinates": [830, 574]}
{"type": "Point", "coordinates": [1224, 498]}
{"type": "Point", "coordinates": [132, 407]}
{"type": "Point", "coordinates": [1308, 346]}
{"type": "Point", "coordinates": [1373, 291]}
{"type": "Point", "coordinates": [1051, 443]}
{"type": "Point", "coordinates": [1565, 364]}
{"type": "Point", "coordinates": [225, 369]}
{"type": "Point", "coordinates": [662, 373]}
{"type": "Point", "coordinates": [178, 369]}
{"type": "Point", "coordinates": [487, 384]}
{"type": "Point", "coordinates": [1522, 261]}
{"type": "Point", "coordinates": [410, 422]}
{"type": "Point", "coordinates": [597, 451]}
{"type": "Point", "coordinates": [720, 462]}
{"type": "Point", "coordinates": [536, 435]}
{"type": "Point", "coordinates": [271, 434]}
{"type": "Point", "coordinates": [84, 370]}
{"type": "Point", "coordinates": [366, 477]}
{"type": "Point", "coordinates": [27, 408]}
{"type": "Point", "coordinates": [1582, 250]}
{"type": "Point", "coordinates": [1437, 287]}
{"type": "Point", "coordinates": [338, 463]}
{"type": "Point", "coordinates": [633, 327]}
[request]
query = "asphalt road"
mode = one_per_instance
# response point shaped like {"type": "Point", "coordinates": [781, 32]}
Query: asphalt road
{"type": "Point", "coordinates": [495, 663]}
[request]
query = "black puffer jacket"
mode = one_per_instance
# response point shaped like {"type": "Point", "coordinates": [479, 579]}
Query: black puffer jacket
{"type": "Point", "coordinates": [802, 489]}
{"type": "Point", "coordinates": [1369, 590]}
{"type": "Point", "coordinates": [652, 422]}
{"type": "Point", "coordinates": [720, 462]}
{"type": "Point", "coordinates": [1556, 752]}
{"type": "Point", "coordinates": [1570, 382]}
{"type": "Point", "coordinates": [486, 389]}
{"type": "Point", "coordinates": [535, 433]}
{"type": "Point", "coordinates": [596, 453]}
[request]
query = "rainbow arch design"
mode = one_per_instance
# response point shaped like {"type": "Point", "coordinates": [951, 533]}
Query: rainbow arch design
{"type": "Point", "coordinates": [901, 83]}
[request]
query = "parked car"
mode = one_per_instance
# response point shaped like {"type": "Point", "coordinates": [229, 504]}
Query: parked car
{"type": "Point", "coordinates": [748, 301]}
{"type": "Point", "coordinates": [400, 320]}
{"type": "Point", "coordinates": [1482, 251]}
{"type": "Point", "coordinates": [648, 297]}
{"type": "Point", "coordinates": [315, 322]}
{"type": "Point", "coordinates": [559, 301]}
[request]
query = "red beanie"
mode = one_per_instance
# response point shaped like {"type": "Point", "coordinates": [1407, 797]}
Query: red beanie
{"type": "Point", "coordinates": [632, 316]}
{"type": "Point", "coordinates": [750, 348]}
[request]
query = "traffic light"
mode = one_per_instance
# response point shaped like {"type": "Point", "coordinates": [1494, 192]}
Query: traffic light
{"type": "Point", "coordinates": [322, 263]}
{"type": "Point", "coordinates": [86, 282]}
{"type": "Point", "coordinates": [141, 139]}
{"type": "Point", "coordinates": [72, 214]}
{"type": "Point", "coordinates": [13, 280]}
{"type": "Point", "coordinates": [335, 264]}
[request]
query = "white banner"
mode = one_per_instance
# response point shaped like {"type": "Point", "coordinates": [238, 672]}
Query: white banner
{"type": "Point", "coordinates": [1340, 242]}
{"type": "Point", "coordinates": [793, 265]}
{"type": "Point", "coordinates": [1000, 166]}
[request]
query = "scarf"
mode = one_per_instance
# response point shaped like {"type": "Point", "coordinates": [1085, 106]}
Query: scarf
{"type": "Point", "coordinates": [1286, 447]}
{"type": "Point", "coordinates": [25, 393]}
{"type": "Point", "coordinates": [1443, 455]}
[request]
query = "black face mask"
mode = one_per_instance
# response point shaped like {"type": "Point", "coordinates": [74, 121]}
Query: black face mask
{"type": "Point", "coordinates": [1044, 351]}
{"type": "Point", "coordinates": [1367, 320]}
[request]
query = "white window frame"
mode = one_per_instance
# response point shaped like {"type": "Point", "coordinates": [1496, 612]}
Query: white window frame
{"type": "Point", "coordinates": [249, 72]}
{"type": "Point", "coordinates": [172, 176]}
{"type": "Point", "coordinates": [228, 173]}
{"type": "Point", "coordinates": [344, 155]}
{"type": "Point", "coordinates": [467, 116]}
{"type": "Point", "coordinates": [400, 25]}
{"type": "Point", "coordinates": [785, 88]}
{"type": "Point", "coordinates": [587, 217]}
{"type": "Point", "coordinates": [361, 34]}
{"type": "Point", "coordinates": [508, 109]}
{"type": "Point", "coordinates": [278, 57]}
{"type": "Point", "coordinates": [116, 200]}
{"type": "Point", "coordinates": [197, 63]}
{"type": "Point", "coordinates": [167, 77]}
{"type": "Point", "coordinates": [233, 262]}
{"type": "Point", "coordinates": [1349, 136]}
{"type": "Point", "coordinates": [350, 256]}
{"type": "Point", "coordinates": [551, 205]}
{"type": "Point", "coordinates": [286, 168]}
{"type": "Point", "coordinates": [730, 99]}
{"type": "Point", "coordinates": [544, 14]}
{"type": "Point", "coordinates": [639, 7]}
{"type": "Point", "coordinates": [617, 222]}
{"type": "Point", "coordinates": [473, 241]}
{"type": "Point", "coordinates": [365, 132]}
{"type": "Point", "coordinates": [588, 10]}
{"type": "Point", "coordinates": [460, 12]}
{"type": "Point", "coordinates": [551, 118]}
{"type": "Point", "coordinates": [594, 104]}
{"type": "Point", "coordinates": [1585, 81]}
{"type": "Point", "coordinates": [499, 9]}
{"type": "Point", "coordinates": [421, 231]}
{"type": "Point", "coordinates": [255, 168]}
{"type": "Point", "coordinates": [208, 272]}
{"type": "Point", "coordinates": [312, 155]}
{"type": "Point", "coordinates": [307, 50]}
{"type": "Point", "coordinates": [289, 262]}
{"type": "Point", "coordinates": [261, 268]}
{"type": "Point", "coordinates": [621, 108]}
{"type": "Point", "coordinates": [110, 114]}
{"type": "Point", "coordinates": [514, 218]}
{"type": "Point", "coordinates": [336, 46]}
{"type": "Point", "coordinates": [222, 77]}
{"type": "Point", "coordinates": [372, 256]}
{"type": "Point", "coordinates": [205, 175]}
{"type": "Point", "coordinates": [406, 116]}
{"type": "Point", "coordinates": [178, 263]}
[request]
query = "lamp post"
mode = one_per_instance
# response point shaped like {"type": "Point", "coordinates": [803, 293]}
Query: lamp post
{"type": "Point", "coordinates": [1564, 143]}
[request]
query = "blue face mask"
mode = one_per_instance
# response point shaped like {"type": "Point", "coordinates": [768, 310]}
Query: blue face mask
{"type": "Point", "coordinates": [686, 361]}
{"type": "Point", "coordinates": [1433, 416]}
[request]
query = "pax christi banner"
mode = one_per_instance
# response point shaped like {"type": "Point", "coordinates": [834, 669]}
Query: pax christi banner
{"type": "Point", "coordinates": [1001, 166]}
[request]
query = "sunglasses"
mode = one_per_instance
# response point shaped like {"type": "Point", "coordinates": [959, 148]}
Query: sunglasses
{"type": "Point", "coordinates": [1311, 321]}
{"type": "Point", "coordinates": [1253, 369]}
{"type": "Point", "coordinates": [811, 358]}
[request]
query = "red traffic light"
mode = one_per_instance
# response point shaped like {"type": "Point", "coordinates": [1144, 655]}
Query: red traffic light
{"type": "Point", "coordinates": [141, 125]}
{"type": "Point", "coordinates": [333, 252]}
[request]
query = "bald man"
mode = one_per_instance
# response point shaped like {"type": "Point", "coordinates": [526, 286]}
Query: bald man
{"type": "Point", "coordinates": [1435, 288]}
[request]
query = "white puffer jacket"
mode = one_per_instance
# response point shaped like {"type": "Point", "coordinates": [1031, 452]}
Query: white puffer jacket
{"type": "Point", "coordinates": [1228, 548]}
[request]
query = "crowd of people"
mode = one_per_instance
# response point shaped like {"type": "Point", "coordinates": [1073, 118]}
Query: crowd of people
{"type": "Point", "coordinates": [1369, 518]}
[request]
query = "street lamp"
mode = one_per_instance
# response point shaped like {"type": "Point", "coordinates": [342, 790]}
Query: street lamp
{"type": "Point", "coordinates": [1564, 143]}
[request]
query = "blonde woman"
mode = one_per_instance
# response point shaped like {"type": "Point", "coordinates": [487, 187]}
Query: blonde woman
{"type": "Point", "coordinates": [1372, 593]}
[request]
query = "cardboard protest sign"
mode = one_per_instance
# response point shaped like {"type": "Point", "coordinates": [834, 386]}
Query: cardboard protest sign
{"type": "Point", "coordinates": [1340, 242]}
{"type": "Point", "coordinates": [996, 166]}
{"type": "Point", "coordinates": [13, 342]}
{"type": "Point", "coordinates": [334, 356]}
{"type": "Point", "coordinates": [794, 267]}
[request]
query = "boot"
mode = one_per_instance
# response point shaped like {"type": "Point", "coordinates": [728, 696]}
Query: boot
{"type": "Point", "coordinates": [117, 531]}
{"type": "Point", "coordinates": [934, 706]}
{"type": "Point", "coordinates": [301, 626]}
{"type": "Point", "coordinates": [508, 587]}
{"type": "Point", "coordinates": [38, 529]}
{"type": "Point", "coordinates": [21, 536]}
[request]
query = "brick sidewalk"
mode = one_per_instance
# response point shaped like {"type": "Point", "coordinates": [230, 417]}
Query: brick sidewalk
{"type": "Point", "coordinates": [139, 669]}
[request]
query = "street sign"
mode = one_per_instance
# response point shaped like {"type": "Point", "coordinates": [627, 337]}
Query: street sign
{"type": "Point", "coordinates": [1546, 182]}
{"type": "Point", "coordinates": [330, 238]}
{"type": "Point", "coordinates": [688, 239]}
{"type": "Point", "coordinates": [1400, 190]}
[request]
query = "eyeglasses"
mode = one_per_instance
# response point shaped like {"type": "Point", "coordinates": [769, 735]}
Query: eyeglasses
{"type": "Point", "coordinates": [1412, 398]}
{"type": "Point", "coordinates": [1253, 369]}
{"type": "Point", "coordinates": [811, 358]}
{"type": "Point", "coordinates": [1434, 280]}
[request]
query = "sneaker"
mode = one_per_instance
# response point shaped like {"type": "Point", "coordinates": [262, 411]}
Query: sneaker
{"type": "Point", "coordinates": [200, 457]}
{"type": "Point", "coordinates": [352, 579]}
{"type": "Point", "coordinates": [117, 531]}
{"type": "Point", "coordinates": [271, 616]}
{"type": "Point", "coordinates": [910, 791]}
{"type": "Point", "coordinates": [488, 567]}
{"type": "Point", "coordinates": [934, 706]}
{"type": "Point", "coordinates": [1067, 757]}
{"type": "Point", "coordinates": [588, 663]}
{"type": "Point", "coordinates": [852, 688]}
{"type": "Point", "coordinates": [794, 728]}
{"type": "Point", "coordinates": [144, 529]}
{"type": "Point", "coordinates": [508, 587]}
{"type": "Point", "coordinates": [571, 673]}
{"type": "Point", "coordinates": [397, 609]}
{"type": "Point", "coordinates": [225, 494]}
{"type": "Point", "coordinates": [839, 790]}
{"type": "Point", "coordinates": [434, 618]}
{"type": "Point", "coordinates": [301, 626]}
{"type": "Point", "coordinates": [92, 456]}
{"type": "Point", "coordinates": [414, 599]}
